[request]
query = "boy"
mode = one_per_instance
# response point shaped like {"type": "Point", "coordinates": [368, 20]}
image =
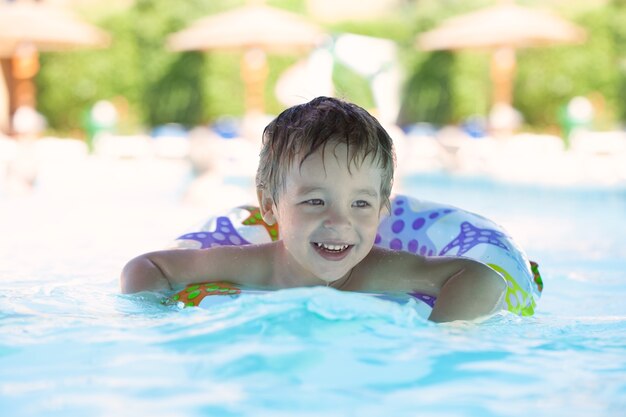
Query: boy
{"type": "Point", "coordinates": [325, 175]}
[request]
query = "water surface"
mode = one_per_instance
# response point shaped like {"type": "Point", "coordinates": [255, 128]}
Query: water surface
{"type": "Point", "coordinates": [71, 345]}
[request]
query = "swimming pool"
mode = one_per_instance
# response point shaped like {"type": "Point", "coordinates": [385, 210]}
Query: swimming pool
{"type": "Point", "coordinates": [71, 345]}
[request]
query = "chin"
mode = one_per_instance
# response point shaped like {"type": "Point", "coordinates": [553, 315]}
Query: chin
{"type": "Point", "coordinates": [331, 277]}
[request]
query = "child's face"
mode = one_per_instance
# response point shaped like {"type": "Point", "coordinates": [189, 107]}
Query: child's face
{"type": "Point", "coordinates": [328, 215]}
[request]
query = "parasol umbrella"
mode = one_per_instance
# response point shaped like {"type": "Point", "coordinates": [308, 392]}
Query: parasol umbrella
{"type": "Point", "coordinates": [48, 28]}
{"type": "Point", "coordinates": [255, 29]}
{"type": "Point", "coordinates": [29, 27]}
{"type": "Point", "coordinates": [501, 29]}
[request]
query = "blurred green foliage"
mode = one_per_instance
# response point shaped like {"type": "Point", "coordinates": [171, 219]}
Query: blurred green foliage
{"type": "Point", "coordinates": [547, 78]}
{"type": "Point", "coordinates": [154, 86]}
{"type": "Point", "coordinates": [617, 17]}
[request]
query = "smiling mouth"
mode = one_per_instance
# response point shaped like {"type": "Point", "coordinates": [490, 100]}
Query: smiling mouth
{"type": "Point", "coordinates": [332, 251]}
{"type": "Point", "coordinates": [331, 248]}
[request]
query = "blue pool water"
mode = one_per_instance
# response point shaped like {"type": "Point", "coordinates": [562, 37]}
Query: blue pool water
{"type": "Point", "coordinates": [71, 345]}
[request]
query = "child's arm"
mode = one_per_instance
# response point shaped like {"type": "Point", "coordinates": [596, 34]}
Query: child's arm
{"type": "Point", "coordinates": [163, 270]}
{"type": "Point", "coordinates": [143, 274]}
{"type": "Point", "coordinates": [465, 289]}
{"type": "Point", "coordinates": [474, 291]}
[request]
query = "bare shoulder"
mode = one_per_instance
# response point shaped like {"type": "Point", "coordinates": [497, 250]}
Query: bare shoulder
{"type": "Point", "coordinates": [385, 270]}
{"type": "Point", "coordinates": [249, 264]}
{"type": "Point", "coordinates": [465, 288]}
{"type": "Point", "coordinates": [246, 265]}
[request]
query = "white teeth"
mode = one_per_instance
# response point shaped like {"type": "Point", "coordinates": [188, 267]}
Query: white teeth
{"type": "Point", "coordinates": [336, 248]}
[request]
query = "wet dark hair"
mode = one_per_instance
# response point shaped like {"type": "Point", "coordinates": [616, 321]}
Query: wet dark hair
{"type": "Point", "coordinates": [302, 130]}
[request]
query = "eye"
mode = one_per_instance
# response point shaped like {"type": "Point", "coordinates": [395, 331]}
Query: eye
{"type": "Point", "coordinates": [314, 202]}
{"type": "Point", "coordinates": [361, 204]}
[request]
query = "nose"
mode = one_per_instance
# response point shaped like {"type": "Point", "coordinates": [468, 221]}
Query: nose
{"type": "Point", "coordinates": [337, 218]}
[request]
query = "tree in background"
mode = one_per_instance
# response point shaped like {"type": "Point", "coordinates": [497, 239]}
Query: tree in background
{"type": "Point", "coordinates": [160, 86]}
{"type": "Point", "coordinates": [428, 93]}
{"type": "Point", "coordinates": [548, 78]}
{"type": "Point", "coordinates": [617, 13]}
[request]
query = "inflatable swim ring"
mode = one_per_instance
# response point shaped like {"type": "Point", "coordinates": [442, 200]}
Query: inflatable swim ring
{"type": "Point", "coordinates": [413, 225]}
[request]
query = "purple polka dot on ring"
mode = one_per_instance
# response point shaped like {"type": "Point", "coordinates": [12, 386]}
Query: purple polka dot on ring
{"type": "Point", "coordinates": [378, 239]}
{"type": "Point", "coordinates": [433, 215]}
{"type": "Point", "coordinates": [413, 245]}
{"type": "Point", "coordinates": [399, 202]}
{"type": "Point", "coordinates": [397, 226]}
{"type": "Point", "coordinates": [423, 250]}
{"type": "Point", "coordinates": [395, 244]}
{"type": "Point", "coordinates": [398, 211]}
{"type": "Point", "coordinates": [418, 223]}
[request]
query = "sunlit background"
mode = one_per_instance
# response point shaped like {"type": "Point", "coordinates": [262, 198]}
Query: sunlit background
{"type": "Point", "coordinates": [528, 92]}
{"type": "Point", "coordinates": [124, 124]}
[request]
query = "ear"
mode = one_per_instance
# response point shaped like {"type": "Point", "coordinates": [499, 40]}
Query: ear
{"type": "Point", "coordinates": [384, 210]}
{"type": "Point", "coordinates": [266, 204]}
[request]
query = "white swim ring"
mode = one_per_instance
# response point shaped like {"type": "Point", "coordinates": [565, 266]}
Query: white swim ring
{"type": "Point", "coordinates": [417, 226]}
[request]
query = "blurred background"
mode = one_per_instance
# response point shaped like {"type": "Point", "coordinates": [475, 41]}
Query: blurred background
{"type": "Point", "coordinates": [125, 122]}
{"type": "Point", "coordinates": [530, 91]}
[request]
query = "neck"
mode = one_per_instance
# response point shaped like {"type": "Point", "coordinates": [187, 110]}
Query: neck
{"type": "Point", "coordinates": [287, 273]}
{"type": "Point", "coordinates": [341, 282]}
